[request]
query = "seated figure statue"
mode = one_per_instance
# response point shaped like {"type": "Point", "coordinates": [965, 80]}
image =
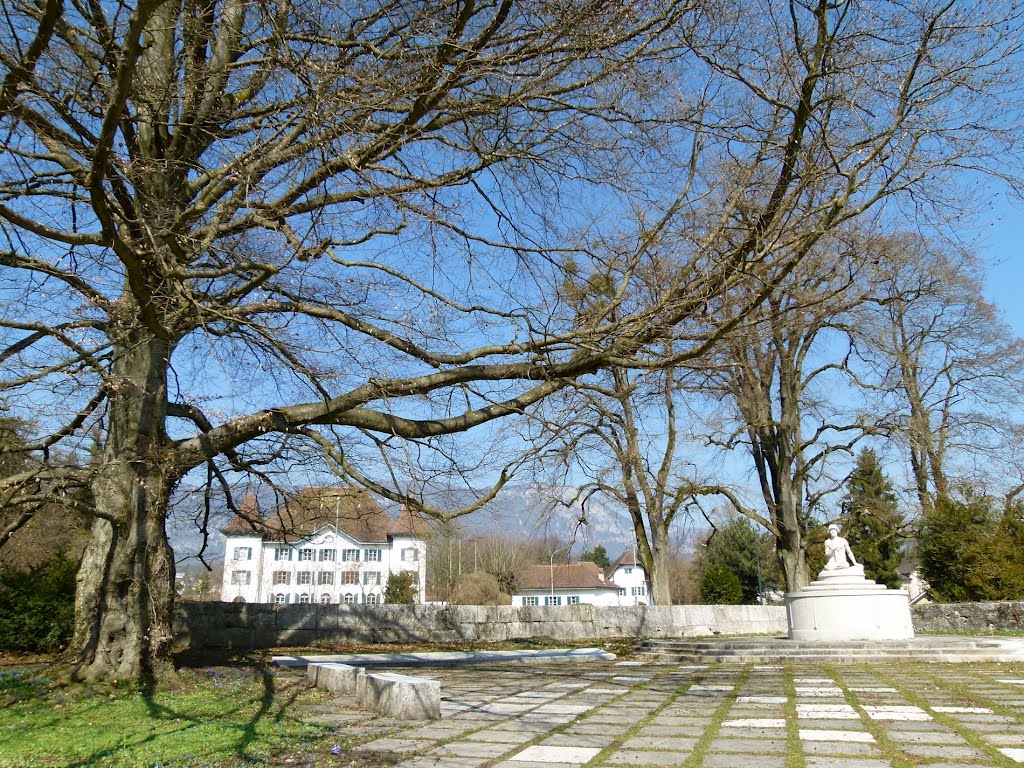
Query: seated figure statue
{"type": "Point", "coordinates": [838, 554]}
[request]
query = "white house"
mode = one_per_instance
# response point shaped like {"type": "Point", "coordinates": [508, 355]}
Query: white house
{"type": "Point", "coordinates": [325, 545]}
{"type": "Point", "coordinates": [622, 583]}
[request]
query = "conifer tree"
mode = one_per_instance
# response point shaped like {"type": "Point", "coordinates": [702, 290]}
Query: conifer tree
{"type": "Point", "coordinates": [872, 522]}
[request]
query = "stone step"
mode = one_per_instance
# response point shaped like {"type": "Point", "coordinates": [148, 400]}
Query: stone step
{"type": "Point", "coordinates": [760, 650]}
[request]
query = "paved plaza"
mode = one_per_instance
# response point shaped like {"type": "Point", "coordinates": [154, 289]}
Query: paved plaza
{"type": "Point", "coordinates": [639, 713]}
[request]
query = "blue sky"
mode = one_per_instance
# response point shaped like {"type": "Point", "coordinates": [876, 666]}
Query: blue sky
{"type": "Point", "coordinates": [1002, 245]}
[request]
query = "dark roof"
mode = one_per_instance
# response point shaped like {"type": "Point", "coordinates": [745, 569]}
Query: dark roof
{"type": "Point", "coordinates": [410, 523]}
{"type": "Point", "coordinates": [627, 558]}
{"type": "Point", "coordinates": [583, 575]}
{"type": "Point", "coordinates": [356, 514]}
{"type": "Point", "coordinates": [248, 521]}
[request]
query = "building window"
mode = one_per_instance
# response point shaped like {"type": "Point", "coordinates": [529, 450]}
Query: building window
{"type": "Point", "coordinates": [350, 577]}
{"type": "Point", "coordinates": [283, 553]}
{"type": "Point", "coordinates": [371, 577]}
{"type": "Point", "coordinates": [241, 577]}
{"type": "Point", "coordinates": [350, 555]}
{"type": "Point", "coordinates": [622, 593]}
{"type": "Point", "coordinates": [325, 598]}
{"type": "Point", "coordinates": [532, 600]}
{"type": "Point", "coordinates": [304, 598]}
{"type": "Point", "coordinates": [371, 600]}
{"type": "Point", "coordinates": [552, 600]}
{"type": "Point", "coordinates": [410, 555]}
{"type": "Point", "coordinates": [629, 570]}
{"type": "Point", "coordinates": [349, 599]}
{"type": "Point", "coordinates": [325, 577]}
{"type": "Point", "coordinates": [373, 555]}
{"type": "Point", "coordinates": [243, 553]}
{"type": "Point", "coordinates": [328, 555]}
{"type": "Point", "coordinates": [305, 554]}
{"type": "Point", "coordinates": [572, 600]}
{"type": "Point", "coordinates": [639, 591]}
{"type": "Point", "coordinates": [305, 577]}
{"type": "Point", "coordinates": [282, 577]}
{"type": "Point", "coordinates": [280, 598]}
{"type": "Point", "coordinates": [415, 580]}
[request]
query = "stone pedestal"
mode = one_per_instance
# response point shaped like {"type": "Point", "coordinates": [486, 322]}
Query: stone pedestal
{"type": "Point", "coordinates": [844, 605]}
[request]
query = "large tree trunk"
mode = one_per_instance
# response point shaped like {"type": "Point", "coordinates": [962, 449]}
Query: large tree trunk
{"type": "Point", "coordinates": [125, 590]}
{"type": "Point", "coordinates": [659, 574]}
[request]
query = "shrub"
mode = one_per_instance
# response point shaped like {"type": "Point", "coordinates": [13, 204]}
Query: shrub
{"type": "Point", "coordinates": [720, 586]}
{"type": "Point", "coordinates": [37, 607]}
{"type": "Point", "coordinates": [400, 589]}
{"type": "Point", "coordinates": [479, 588]}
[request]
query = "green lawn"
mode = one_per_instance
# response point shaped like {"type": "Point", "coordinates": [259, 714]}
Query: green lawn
{"type": "Point", "coordinates": [224, 716]}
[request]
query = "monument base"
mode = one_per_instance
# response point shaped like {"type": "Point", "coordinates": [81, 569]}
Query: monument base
{"type": "Point", "coordinates": [844, 605]}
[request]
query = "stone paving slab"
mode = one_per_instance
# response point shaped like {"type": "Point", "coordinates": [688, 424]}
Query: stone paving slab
{"type": "Point", "coordinates": [567, 716]}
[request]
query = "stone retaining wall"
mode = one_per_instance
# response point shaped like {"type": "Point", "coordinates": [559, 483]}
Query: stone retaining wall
{"type": "Point", "coordinates": [968, 617]}
{"type": "Point", "coordinates": [249, 625]}
{"type": "Point", "coordinates": [245, 626]}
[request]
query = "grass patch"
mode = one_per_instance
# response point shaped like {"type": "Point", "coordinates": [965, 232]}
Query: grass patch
{"type": "Point", "coordinates": [214, 717]}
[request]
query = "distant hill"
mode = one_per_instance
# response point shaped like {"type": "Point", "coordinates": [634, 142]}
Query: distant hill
{"type": "Point", "coordinates": [525, 511]}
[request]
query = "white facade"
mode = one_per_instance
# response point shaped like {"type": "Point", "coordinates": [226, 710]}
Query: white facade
{"type": "Point", "coordinates": [622, 583]}
{"type": "Point", "coordinates": [632, 581]}
{"type": "Point", "coordinates": [328, 567]}
{"type": "Point", "coordinates": [573, 596]}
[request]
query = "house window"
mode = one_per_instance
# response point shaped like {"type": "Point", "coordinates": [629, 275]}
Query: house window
{"type": "Point", "coordinates": [350, 577]}
{"type": "Point", "coordinates": [552, 600]}
{"type": "Point", "coordinates": [241, 577]}
{"type": "Point", "coordinates": [629, 570]}
{"type": "Point", "coordinates": [410, 555]}
{"type": "Point", "coordinates": [532, 600]}
{"type": "Point", "coordinates": [280, 598]}
{"type": "Point", "coordinates": [572, 600]}
{"type": "Point", "coordinates": [371, 577]}
{"type": "Point", "coordinates": [283, 553]}
{"type": "Point", "coordinates": [639, 591]}
{"type": "Point", "coordinates": [622, 593]}
{"type": "Point", "coordinates": [305, 554]}
{"type": "Point", "coordinates": [304, 598]}
{"type": "Point", "coordinates": [325, 598]}
{"type": "Point", "coordinates": [350, 555]}
{"type": "Point", "coordinates": [325, 577]}
{"type": "Point", "coordinates": [349, 599]}
{"type": "Point", "coordinates": [305, 577]}
{"type": "Point", "coordinates": [371, 600]}
{"type": "Point", "coordinates": [243, 553]}
{"type": "Point", "coordinates": [328, 555]}
{"type": "Point", "coordinates": [373, 555]}
{"type": "Point", "coordinates": [282, 577]}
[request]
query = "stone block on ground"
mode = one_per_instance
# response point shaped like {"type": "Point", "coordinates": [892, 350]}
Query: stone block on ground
{"type": "Point", "coordinates": [337, 678]}
{"type": "Point", "coordinates": [401, 696]}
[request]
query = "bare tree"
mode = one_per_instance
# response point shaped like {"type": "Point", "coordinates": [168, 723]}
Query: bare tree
{"type": "Point", "coordinates": [948, 367]}
{"type": "Point", "coordinates": [235, 231]}
{"type": "Point", "coordinates": [786, 377]}
{"type": "Point", "coordinates": [230, 224]}
{"type": "Point", "coordinates": [798, 142]}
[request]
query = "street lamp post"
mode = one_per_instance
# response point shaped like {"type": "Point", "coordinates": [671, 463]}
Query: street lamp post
{"type": "Point", "coordinates": [551, 566]}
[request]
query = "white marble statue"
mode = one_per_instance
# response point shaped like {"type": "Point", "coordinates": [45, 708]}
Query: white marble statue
{"type": "Point", "coordinates": [838, 554]}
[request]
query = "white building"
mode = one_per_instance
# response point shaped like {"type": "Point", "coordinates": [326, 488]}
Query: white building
{"type": "Point", "coordinates": [624, 582]}
{"type": "Point", "coordinates": [326, 545]}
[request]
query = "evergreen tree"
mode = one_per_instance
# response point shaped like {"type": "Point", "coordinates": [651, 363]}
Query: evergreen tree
{"type": "Point", "coordinates": [740, 548]}
{"type": "Point", "coordinates": [400, 589]}
{"type": "Point", "coordinates": [598, 555]}
{"type": "Point", "coordinates": [971, 552]}
{"type": "Point", "coordinates": [872, 522]}
{"type": "Point", "coordinates": [720, 586]}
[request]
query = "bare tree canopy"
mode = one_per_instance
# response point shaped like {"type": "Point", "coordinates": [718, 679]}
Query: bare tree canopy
{"type": "Point", "coordinates": [233, 229]}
